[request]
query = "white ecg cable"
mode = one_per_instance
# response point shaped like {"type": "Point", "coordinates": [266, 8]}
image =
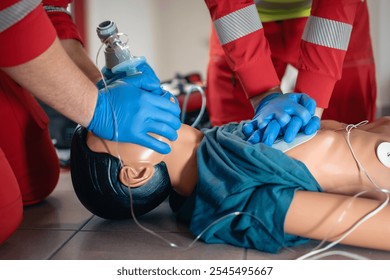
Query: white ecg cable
{"type": "Point", "coordinates": [350, 255]}
{"type": "Point", "coordinates": [192, 243]}
{"type": "Point", "coordinates": [194, 88]}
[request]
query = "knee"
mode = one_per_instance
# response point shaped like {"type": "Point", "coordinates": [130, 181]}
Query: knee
{"type": "Point", "coordinates": [42, 176]}
{"type": "Point", "coordinates": [40, 182]}
{"type": "Point", "coordinates": [10, 218]}
{"type": "Point", "coordinates": [11, 207]}
{"type": "Point", "coordinates": [38, 187]}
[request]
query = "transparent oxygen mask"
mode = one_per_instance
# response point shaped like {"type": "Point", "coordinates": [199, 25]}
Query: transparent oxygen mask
{"type": "Point", "coordinates": [118, 57]}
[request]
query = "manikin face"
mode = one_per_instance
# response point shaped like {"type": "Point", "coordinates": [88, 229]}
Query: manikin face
{"type": "Point", "coordinates": [137, 161]}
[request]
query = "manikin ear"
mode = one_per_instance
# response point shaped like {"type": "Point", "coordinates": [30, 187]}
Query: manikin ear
{"type": "Point", "coordinates": [136, 175]}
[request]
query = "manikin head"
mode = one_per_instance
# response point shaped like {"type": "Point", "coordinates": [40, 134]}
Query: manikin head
{"type": "Point", "coordinates": [104, 172]}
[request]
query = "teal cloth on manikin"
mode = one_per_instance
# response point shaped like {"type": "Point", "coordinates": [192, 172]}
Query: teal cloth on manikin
{"type": "Point", "coordinates": [253, 178]}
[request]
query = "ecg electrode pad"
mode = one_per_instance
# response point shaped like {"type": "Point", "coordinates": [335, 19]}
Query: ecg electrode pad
{"type": "Point", "coordinates": [383, 153]}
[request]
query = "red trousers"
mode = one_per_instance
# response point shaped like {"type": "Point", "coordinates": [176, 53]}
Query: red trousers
{"type": "Point", "coordinates": [353, 98]}
{"type": "Point", "coordinates": [29, 167]}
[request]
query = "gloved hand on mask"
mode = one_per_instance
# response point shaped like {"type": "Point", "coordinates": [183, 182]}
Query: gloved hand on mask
{"type": "Point", "coordinates": [148, 76]}
{"type": "Point", "coordinates": [132, 107]}
{"type": "Point", "coordinates": [282, 115]}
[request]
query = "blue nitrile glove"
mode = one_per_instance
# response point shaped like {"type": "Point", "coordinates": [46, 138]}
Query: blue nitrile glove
{"type": "Point", "coordinates": [282, 114]}
{"type": "Point", "coordinates": [109, 77]}
{"type": "Point", "coordinates": [146, 73]}
{"type": "Point", "coordinates": [130, 108]}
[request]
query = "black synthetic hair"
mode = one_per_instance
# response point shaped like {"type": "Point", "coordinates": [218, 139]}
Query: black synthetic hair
{"type": "Point", "coordinates": [95, 178]}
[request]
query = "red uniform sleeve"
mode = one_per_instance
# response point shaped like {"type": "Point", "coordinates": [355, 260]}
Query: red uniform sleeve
{"type": "Point", "coordinates": [246, 48]}
{"type": "Point", "coordinates": [323, 47]}
{"type": "Point", "coordinates": [62, 21]}
{"type": "Point", "coordinates": [26, 39]}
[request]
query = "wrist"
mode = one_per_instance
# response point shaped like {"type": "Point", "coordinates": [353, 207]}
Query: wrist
{"type": "Point", "coordinates": [95, 111]}
{"type": "Point", "coordinates": [261, 98]}
{"type": "Point", "coordinates": [319, 112]}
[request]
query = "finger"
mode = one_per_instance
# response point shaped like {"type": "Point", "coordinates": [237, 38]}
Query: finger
{"type": "Point", "coordinates": [282, 117]}
{"type": "Point", "coordinates": [145, 68]}
{"type": "Point", "coordinates": [162, 103]}
{"type": "Point", "coordinates": [312, 126]}
{"type": "Point", "coordinates": [169, 96]}
{"type": "Point", "coordinates": [162, 129]}
{"type": "Point", "coordinates": [149, 75]}
{"type": "Point", "coordinates": [298, 110]}
{"type": "Point", "coordinates": [255, 137]}
{"type": "Point", "coordinates": [248, 129]}
{"type": "Point", "coordinates": [309, 103]}
{"type": "Point", "coordinates": [150, 83]}
{"type": "Point", "coordinates": [271, 133]}
{"type": "Point", "coordinates": [142, 81]}
{"type": "Point", "coordinates": [292, 129]}
{"type": "Point", "coordinates": [162, 116]}
{"type": "Point", "coordinates": [261, 120]}
{"type": "Point", "coordinates": [294, 96]}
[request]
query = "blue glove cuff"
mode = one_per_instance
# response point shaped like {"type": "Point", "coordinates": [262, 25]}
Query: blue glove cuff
{"type": "Point", "coordinates": [267, 99]}
{"type": "Point", "coordinates": [102, 111]}
{"type": "Point", "coordinates": [91, 125]}
{"type": "Point", "coordinates": [100, 84]}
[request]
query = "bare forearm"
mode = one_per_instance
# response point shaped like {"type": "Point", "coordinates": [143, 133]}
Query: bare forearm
{"type": "Point", "coordinates": [53, 78]}
{"type": "Point", "coordinates": [80, 57]}
{"type": "Point", "coordinates": [316, 215]}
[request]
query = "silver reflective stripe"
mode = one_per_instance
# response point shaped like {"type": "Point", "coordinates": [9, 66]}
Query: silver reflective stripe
{"type": "Point", "coordinates": [237, 24]}
{"type": "Point", "coordinates": [51, 9]}
{"type": "Point", "coordinates": [16, 12]}
{"type": "Point", "coordinates": [283, 6]}
{"type": "Point", "coordinates": [327, 33]}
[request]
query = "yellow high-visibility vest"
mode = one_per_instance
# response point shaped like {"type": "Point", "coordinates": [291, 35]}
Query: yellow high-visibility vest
{"type": "Point", "coordinates": [273, 10]}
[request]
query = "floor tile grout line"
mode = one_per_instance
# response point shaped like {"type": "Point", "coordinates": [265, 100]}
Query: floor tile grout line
{"type": "Point", "coordinates": [245, 255]}
{"type": "Point", "coordinates": [69, 238]}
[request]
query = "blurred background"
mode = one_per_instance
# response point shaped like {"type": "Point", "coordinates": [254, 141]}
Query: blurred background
{"type": "Point", "coordinates": [173, 35]}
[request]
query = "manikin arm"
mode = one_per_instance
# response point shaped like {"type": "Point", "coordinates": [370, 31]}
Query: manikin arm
{"type": "Point", "coordinates": [316, 215]}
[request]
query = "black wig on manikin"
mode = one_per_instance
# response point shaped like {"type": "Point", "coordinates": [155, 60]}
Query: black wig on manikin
{"type": "Point", "coordinates": [95, 178]}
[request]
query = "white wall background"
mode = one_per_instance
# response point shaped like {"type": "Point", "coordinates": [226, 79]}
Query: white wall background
{"type": "Point", "coordinates": [380, 34]}
{"type": "Point", "coordinates": [173, 36]}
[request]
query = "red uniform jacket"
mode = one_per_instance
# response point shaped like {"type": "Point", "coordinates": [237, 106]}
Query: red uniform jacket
{"type": "Point", "coordinates": [323, 46]}
{"type": "Point", "coordinates": [30, 34]}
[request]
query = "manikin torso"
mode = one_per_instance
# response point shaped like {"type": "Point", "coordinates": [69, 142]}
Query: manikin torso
{"type": "Point", "coordinates": [326, 155]}
{"type": "Point", "coordinates": [330, 160]}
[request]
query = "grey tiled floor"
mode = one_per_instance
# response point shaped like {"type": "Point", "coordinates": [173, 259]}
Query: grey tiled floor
{"type": "Point", "coordinates": [60, 228]}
